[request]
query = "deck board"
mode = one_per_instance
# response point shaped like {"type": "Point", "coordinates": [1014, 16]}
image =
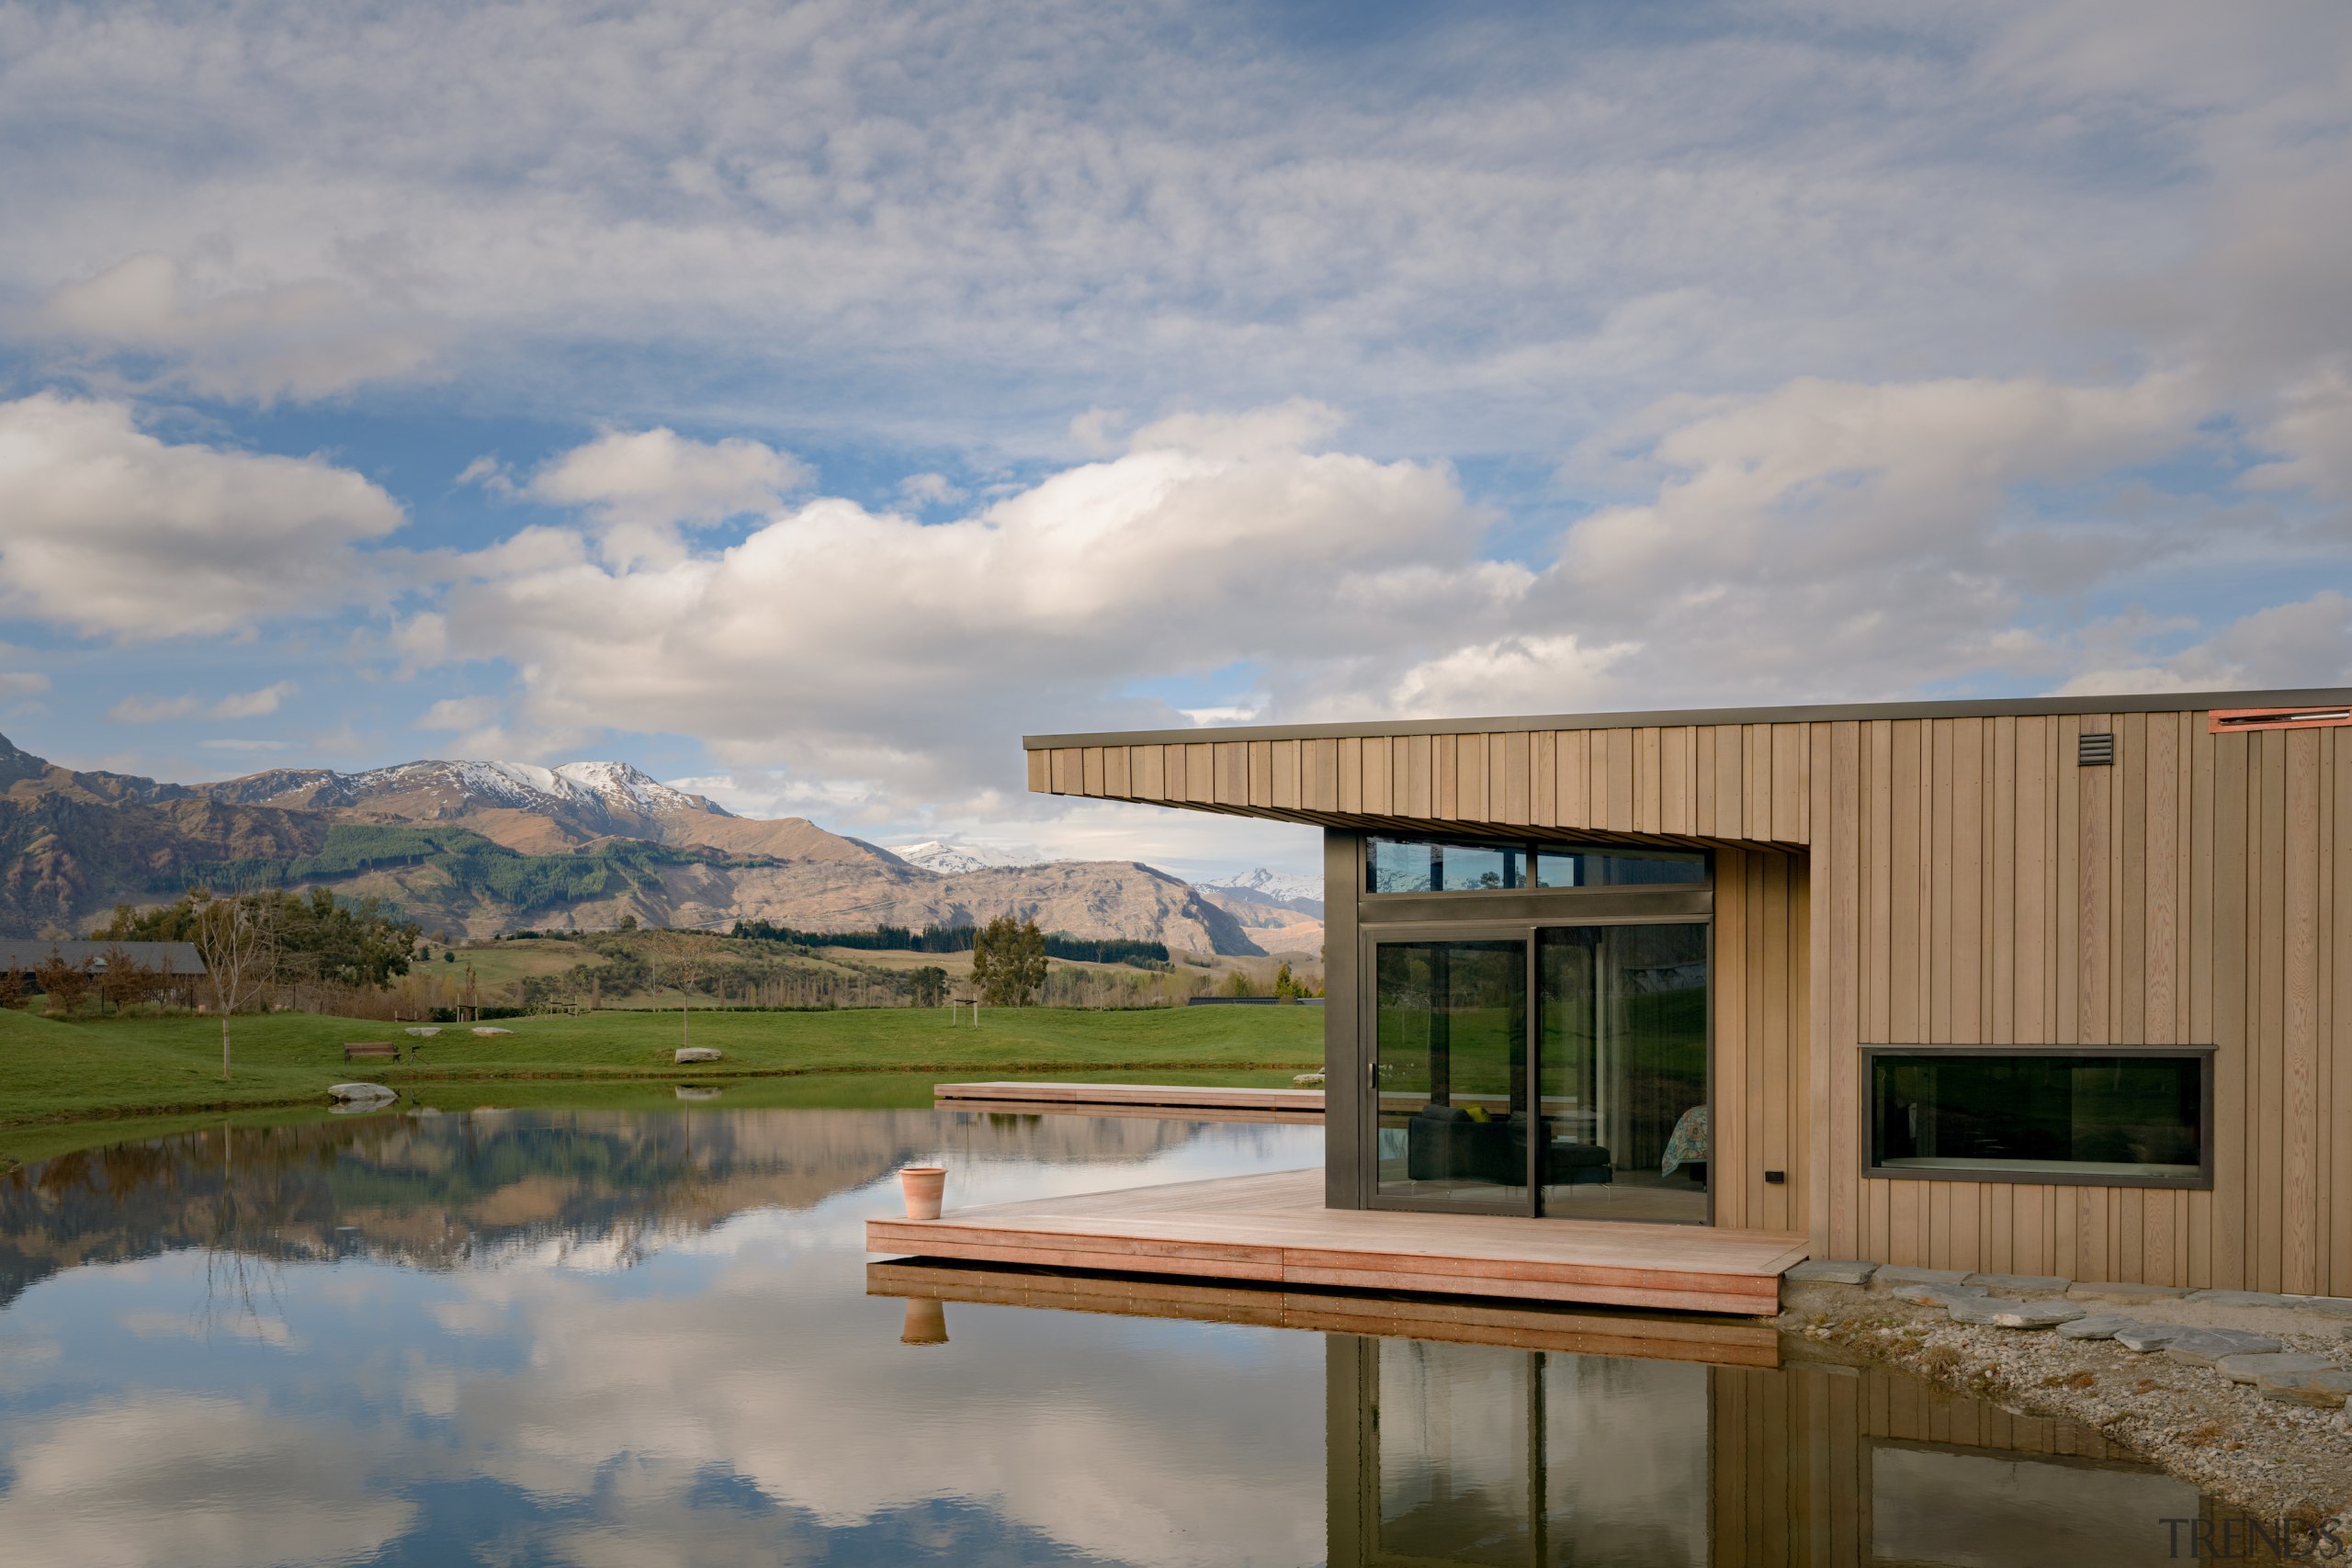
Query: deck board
{"type": "Point", "coordinates": [1196, 1101]}
{"type": "Point", "coordinates": [1273, 1228]}
{"type": "Point", "coordinates": [1721, 1341]}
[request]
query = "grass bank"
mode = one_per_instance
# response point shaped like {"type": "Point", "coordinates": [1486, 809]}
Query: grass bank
{"type": "Point", "coordinates": [54, 1072]}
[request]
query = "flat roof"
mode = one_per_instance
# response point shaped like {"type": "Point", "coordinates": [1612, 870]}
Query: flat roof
{"type": "Point", "coordinates": [1819, 713]}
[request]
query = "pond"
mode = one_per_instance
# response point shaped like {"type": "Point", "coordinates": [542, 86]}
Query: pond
{"type": "Point", "coordinates": [594, 1337]}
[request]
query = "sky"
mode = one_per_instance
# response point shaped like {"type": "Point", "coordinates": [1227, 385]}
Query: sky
{"type": "Point", "coordinates": [803, 402]}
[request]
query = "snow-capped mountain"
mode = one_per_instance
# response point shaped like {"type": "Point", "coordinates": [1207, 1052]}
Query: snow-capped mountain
{"type": "Point", "coordinates": [610, 797]}
{"type": "Point", "coordinates": [1264, 885]}
{"type": "Point", "coordinates": [953, 857]}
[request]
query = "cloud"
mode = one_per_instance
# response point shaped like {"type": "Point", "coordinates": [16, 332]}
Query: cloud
{"type": "Point", "coordinates": [865, 645]}
{"type": "Point", "coordinates": [22, 682]}
{"type": "Point", "coordinates": [236, 705]}
{"type": "Point", "coordinates": [234, 336]}
{"type": "Point", "coordinates": [638, 487]}
{"type": "Point", "coordinates": [929, 490]}
{"type": "Point", "coordinates": [111, 532]}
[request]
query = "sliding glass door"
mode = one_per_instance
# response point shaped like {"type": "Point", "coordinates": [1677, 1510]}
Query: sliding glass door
{"type": "Point", "coordinates": [1550, 1068]}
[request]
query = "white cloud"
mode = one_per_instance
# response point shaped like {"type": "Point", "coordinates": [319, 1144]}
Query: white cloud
{"type": "Point", "coordinates": [111, 532]}
{"type": "Point", "coordinates": [22, 682]}
{"type": "Point", "coordinates": [638, 487]}
{"type": "Point", "coordinates": [237, 336]}
{"type": "Point", "coordinates": [930, 489]}
{"type": "Point", "coordinates": [236, 705]}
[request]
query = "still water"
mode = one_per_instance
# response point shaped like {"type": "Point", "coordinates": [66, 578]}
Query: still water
{"type": "Point", "coordinates": [612, 1337]}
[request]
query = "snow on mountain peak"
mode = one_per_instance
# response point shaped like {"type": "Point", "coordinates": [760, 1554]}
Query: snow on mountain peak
{"type": "Point", "coordinates": [952, 857]}
{"type": "Point", "coordinates": [1268, 883]}
{"type": "Point", "coordinates": [618, 783]}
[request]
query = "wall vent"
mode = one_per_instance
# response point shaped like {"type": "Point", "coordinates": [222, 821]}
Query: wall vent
{"type": "Point", "coordinates": [2095, 751]}
{"type": "Point", "coordinates": [2278, 718]}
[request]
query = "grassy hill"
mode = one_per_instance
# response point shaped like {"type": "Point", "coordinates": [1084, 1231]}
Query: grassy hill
{"type": "Point", "coordinates": [53, 1072]}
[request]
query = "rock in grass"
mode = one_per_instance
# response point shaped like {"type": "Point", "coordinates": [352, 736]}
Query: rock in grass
{"type": "Point", "coordinates": [2259, 1364]}
{"type": "Point", "coordinates": [427, 1033]}
{"type": "Point", "coordinates": [694, 1054]}
{"type": "Point", "coordinates": [2203, 1347]}
{"type": "Point", "coordinates": [359, 1091]}
{"type": "Point", "coordinates": [2098, 1325]}
{"type": "Point", "coordinates": [1307, 1080]}
{"type": "Point", "coordinates": [2002, 1312]}
{"type": "Point", "coordinates": [487, 1030]}
{"type": "Point", "coordinates": [1829, 1271]}
{"type": "Point", "coordinates": [2325, 1390]}
{"type": "Point", "coordinates": [2143, 1338]}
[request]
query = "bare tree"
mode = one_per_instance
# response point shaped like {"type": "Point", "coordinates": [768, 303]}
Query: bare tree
{"type": "Point", "coordinates": [679, 958]}
{"type": "Point", "coordinates": [235, 935]}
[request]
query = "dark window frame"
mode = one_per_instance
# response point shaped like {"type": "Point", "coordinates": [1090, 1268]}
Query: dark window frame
{"type": "Point", "coordinates": [2052, 1174]}
{"type": "Point", "coordinates": [1529, 848]}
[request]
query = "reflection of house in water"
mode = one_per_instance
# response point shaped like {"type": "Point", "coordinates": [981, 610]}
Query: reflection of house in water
{"type": "Point", "coordinates": [1486, 1434]}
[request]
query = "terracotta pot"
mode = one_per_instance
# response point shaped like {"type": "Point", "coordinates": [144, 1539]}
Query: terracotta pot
{"type": "Point", "coordinates": [923, 1185]}
{"type": "Point", "coordinates": [926, 1322]}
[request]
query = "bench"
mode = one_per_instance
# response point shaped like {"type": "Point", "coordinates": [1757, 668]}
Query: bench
{"type": "Point", "coordinates": [356, 1048]}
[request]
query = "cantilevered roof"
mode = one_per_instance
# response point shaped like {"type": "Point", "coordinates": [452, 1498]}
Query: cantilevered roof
{"type": "Point", "coordinates": [1816, 713]}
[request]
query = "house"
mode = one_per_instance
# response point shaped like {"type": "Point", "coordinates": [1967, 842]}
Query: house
{"type": "Point", "coordinates": [174, 958]}
{"type": "Point", "coordinates": [2058, 985]}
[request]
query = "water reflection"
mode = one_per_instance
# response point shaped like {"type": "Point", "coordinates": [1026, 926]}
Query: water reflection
{"type": "Point", "coordinates": [621, 1338]}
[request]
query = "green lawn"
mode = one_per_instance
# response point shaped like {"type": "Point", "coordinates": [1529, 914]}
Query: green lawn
{"type": "Point", "coordinates": [53, 1073]}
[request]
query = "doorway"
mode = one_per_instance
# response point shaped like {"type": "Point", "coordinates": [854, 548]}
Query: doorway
{"type": "Point", "coordinates": [1546, 1069]}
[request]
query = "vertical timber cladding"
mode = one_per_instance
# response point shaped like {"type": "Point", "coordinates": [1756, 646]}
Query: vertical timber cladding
{"type": "Point", "coordinates": [1936, 880]}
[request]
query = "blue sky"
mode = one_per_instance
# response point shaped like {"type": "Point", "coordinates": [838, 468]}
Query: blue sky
{"type": "Point", "coordinates": [806, 402]}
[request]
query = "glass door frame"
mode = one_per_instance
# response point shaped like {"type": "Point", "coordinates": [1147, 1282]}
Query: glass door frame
{"type": "Point", "coordinates": [1527, 928]}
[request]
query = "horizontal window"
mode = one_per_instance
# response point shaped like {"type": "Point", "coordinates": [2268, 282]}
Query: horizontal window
{"type": "Point", "coordinates": [2113, 1117]}
{"type": "Point", "coordinates": [1424, 865]}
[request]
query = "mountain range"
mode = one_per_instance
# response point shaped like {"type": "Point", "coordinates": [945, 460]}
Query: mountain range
{"type": "Point", "coordinates": [483, 848]}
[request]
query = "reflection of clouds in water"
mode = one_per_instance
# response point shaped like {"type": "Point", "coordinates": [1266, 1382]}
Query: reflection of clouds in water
{"type": "Point", "coordinates": [156, 1325]}
{"type": "Point", "coordinates": [195, 1481]}
{"type": "Point", "coordinates": [744, 1363]}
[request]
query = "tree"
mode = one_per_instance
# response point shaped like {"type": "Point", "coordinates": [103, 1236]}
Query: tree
{"type": "Point", "coordinates": [122, 979]}
{"type": "Point", "coordinates": [1285, 983]}
{"type": "Point", "coordinates": [235, 934]}
{"type": "Point", "coordinates": [927, 986]}
{"type": "Point", "coordinates": [63, 984]}
{"type": "Point", "coordinates": [1009, 962]}
{"type": "Point", "coordinates": [679, 958]}
{"type": "Point", "coordinates": [15, 985]}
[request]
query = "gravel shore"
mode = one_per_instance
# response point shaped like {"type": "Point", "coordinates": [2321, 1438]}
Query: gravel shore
{"type": "Point", "coordinates": [2274, 1459]}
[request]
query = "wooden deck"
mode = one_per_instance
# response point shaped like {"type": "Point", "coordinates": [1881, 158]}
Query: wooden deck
{"type": "Point", "coordinates": [1207, 1102]}
{"type": "Point", "coordinates": [1721, 1341]}
{"type": "Point", "coordinates": [1274, 1230]}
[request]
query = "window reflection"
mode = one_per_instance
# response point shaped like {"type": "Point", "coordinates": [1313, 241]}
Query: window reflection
{"type": "Point", "coordinates": [1430, 866]}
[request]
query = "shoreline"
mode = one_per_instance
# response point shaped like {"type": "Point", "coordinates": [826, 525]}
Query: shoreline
{"type": "Point", "coordinates": [2277, 1461]}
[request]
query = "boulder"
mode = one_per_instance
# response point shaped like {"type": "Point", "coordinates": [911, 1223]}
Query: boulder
{"type": "Point", "coordinates": [694, 1054]}
{"type": "Point", "coordinates": [2123, 1290]}
{"type": "Point", "coordinates": [2006, 1313]}
{"type": "Point", "coordinates": [1829, 1271]}
{"type": "Point", "coordinates": [2259, 1364]}
{"type": "Point", "coordinates": [486, 1029]}
{"type": "Point", "coordinates": [2242, 1299]}
{"type": "Point", "coordinates": [2203, 1347]}
{"type": "Point", "coordinates": [1890, 1277]}
{"type": "Point", "coordinates": [2098, 1325]}
{"type": "Point", "coordinates": [693, 1091]}
{"type": "Point", "coordinates": [359, 1091]}
{"type": "Point", "coordinates": [2325, 1390]}
{"type": "Point", "coordinates": [1307, 1080]}
{"type": "Point", "coordinates": [1933, 1295]}
{"type": "Point", "coordinates": [427, 1033]}
{"type": "Point", "coordinates": [2021, 1284]}
{"type": "Point", "coordinates": [2143, 1338]}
